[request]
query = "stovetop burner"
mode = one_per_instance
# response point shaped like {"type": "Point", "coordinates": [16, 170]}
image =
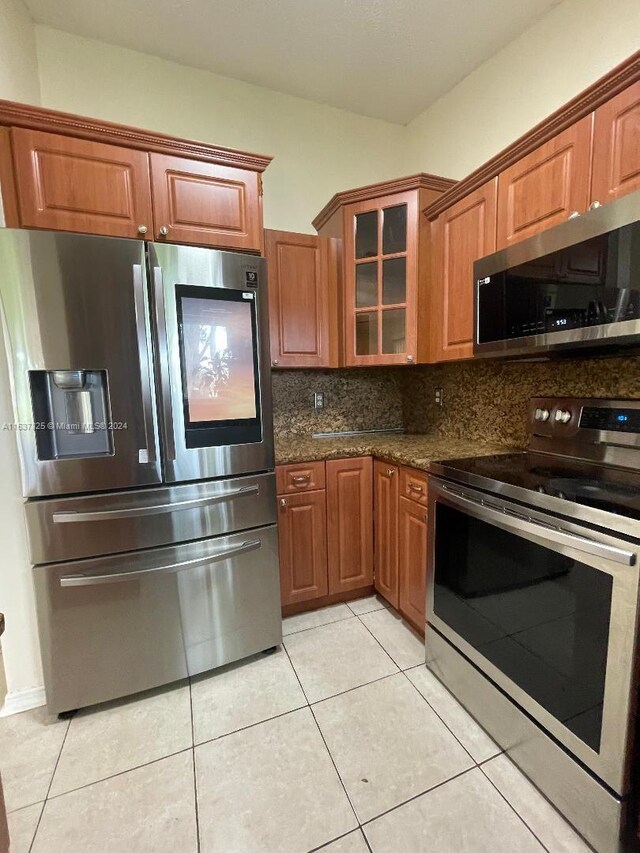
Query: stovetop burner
{"type": "Point", "coordinates": [608, 489]}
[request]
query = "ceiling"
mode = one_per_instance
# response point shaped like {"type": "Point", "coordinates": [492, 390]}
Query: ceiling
{"type": "Point", "coordinates": [389, 59]}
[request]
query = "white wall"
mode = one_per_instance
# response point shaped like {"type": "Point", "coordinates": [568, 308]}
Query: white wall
{"type": "Point", "coordinates": [20, 652]}
{"type": "Point", "coordinates": [317, 149]}
{"type": "Point", "coordinates": [567, 50]}
{"type": "Point", "coordinates": [18, 66]}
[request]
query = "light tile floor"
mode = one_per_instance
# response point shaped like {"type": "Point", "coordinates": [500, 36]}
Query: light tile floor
{"type": "Point", "coordinates": [341, 740]}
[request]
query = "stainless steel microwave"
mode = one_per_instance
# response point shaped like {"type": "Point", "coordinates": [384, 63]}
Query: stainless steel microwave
{"type": "Point", "coordinates": [572, 287]}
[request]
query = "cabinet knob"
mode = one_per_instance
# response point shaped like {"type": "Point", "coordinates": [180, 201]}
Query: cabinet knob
{"type": "Point", "coordinates": [574, 214]}
{"type": "Point", "coordinates": [594, 205]}
{"type": "Point", "coordinates": [284, 502]}
{"type": "Point", "coordinates": [164, 230]}
{"type": "Point", "coordinates": [410, 359]}
{"type": "Point", "coordinates": [142, 229]}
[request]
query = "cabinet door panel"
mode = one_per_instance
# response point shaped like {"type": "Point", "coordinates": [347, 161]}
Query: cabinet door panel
{"type": "Point", "coordinates": [462, 234]}
{"type": "Point", "coordinates": [302, 292]}
{"type": "Point", "coordinates": [302, 536]}
{"type": "Point", "coordinates": [385, 525]}
{"type": "Point", "coordinates": [616, 146]}
{"type": "Point", "coordinates": [545, 187]}
{"type": "Point", "coordinates": [412, 559]}
{"type": "Point", "coordinates": [67, 184]}
{"type": "Point", "coordinates": [380, 299]}
{"type": "Point", "coordinates": [206, 204]}
{"type": "Point", "coordinates": [350, 523]}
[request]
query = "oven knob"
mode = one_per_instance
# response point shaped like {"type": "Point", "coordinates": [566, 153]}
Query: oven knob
{"type": "Point", "coordinates": [563, 416]}
{"type": "Point", "coordinates": [542, 414]}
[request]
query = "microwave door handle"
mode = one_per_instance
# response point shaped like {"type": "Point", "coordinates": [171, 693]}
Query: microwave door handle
{"type": "Point", "coordinates": [144, 358]}
{"type": "Point", "coordinates": [156, 509]}
{"type": "Point", "coordinates": [165, 378]}
{"type": "Point", "coordinates": [520, 522]}
{"type": "Point", "coordinates": [172, 568]}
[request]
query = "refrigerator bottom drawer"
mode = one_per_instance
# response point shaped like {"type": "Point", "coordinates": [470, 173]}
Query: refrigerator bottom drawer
{"type": "Point", "coordinates": [114, 626]}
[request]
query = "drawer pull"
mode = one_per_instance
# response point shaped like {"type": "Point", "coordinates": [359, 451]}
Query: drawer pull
{"type": "Point", "coordinates": [301, 480]}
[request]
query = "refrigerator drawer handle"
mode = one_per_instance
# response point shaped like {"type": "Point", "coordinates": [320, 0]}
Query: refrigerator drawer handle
{"type": "Point", "coordinates": [115, 577]}
{"type": "Point", "coordinates": [519, 522]}
{"type": "Point", "coordinates": [157, 509]}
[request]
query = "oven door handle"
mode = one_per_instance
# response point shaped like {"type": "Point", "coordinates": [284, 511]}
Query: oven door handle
{"type": "Point", "coordinates": [115, 577]}
{"type": "Point", "coordinates": [156, 509]}
{"type": "Point", "coordinates": [511, 519]}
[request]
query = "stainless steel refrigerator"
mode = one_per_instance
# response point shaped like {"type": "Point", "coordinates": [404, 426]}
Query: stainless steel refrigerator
{"type": "Point", "coordinates": [141, 389]}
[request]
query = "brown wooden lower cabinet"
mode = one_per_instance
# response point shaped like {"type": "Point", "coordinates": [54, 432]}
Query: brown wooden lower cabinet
{"type": "Point", "coordinates": [302, 535]}
{"type": "Point", "coordinates": [350, 523]}
{"type": "Point", "coordinates": [385, 524]}
{"type": "Point", "coordinates": [325, 535]}
{"type": "Point", "coordinates": [412, 560]}
{"type": "Point", "coordinates": [400, 496]}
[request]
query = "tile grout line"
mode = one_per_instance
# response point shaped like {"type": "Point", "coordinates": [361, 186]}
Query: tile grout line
{"type": "Point", "coordinates": [513, 809]}
{"type": "Point", "coordinates": [46, 798]}
{"type": "Point", "coordinates": [193, 762]}
{"type": "Point", "coordinates": [326, 746]}
{"type": "Point", "coordinates": [119, 773]}
{"type": "Point", "coordinates": [416, 796]}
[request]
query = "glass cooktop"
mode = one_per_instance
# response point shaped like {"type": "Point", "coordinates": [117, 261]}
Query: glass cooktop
{"type": "Point", "coordinates": [608, 489]}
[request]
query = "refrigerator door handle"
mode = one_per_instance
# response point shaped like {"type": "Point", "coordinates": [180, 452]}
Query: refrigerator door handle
{"type": "Point", "coordinates": [148, 455]}
{"type": "Point", "coordinates": [165, 381]}
{"type": "Point", "coordinates": [156, 509]}
{"type": "Point", "coordinates": [115, 577]}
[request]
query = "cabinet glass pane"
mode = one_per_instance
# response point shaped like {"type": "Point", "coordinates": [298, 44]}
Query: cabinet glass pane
{"type": "Point", "coordinates": [394, 229]}
{"type": "Point", "coordinates": [394, 281]}
{"type": "Point", "coordinates": [367, 234]}
{"type": "Point", "coordinates": [366, 285]}
{"type": "Point", "coordinates": [394, 330]}
{"type": "Point", "coordinates": [367, 333]}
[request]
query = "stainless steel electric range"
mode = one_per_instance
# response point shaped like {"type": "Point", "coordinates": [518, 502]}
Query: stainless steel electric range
{"type": "Point", "coordinates": [532, 603]}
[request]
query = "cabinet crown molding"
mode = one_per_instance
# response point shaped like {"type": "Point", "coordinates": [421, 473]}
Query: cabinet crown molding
{"type": "Point", "coordinates": [14, 114]}
{"type": "Point", "coordinates": [419, 181]}
{"type": "Point", "coordinates": [619, 78]}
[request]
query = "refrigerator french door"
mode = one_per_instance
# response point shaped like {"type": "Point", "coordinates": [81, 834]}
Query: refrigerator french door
{"type": "Point", "coordinates": [119, 384]}
{"type": "Point", "coordinates": [213, 362]}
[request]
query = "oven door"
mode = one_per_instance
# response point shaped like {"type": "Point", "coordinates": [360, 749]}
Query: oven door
{"type": "Point", "coordinates": [213, 356]}
{"type": "Point", "coordinates": [546, 609]}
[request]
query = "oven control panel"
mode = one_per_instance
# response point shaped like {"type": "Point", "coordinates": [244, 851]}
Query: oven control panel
{"type": "Point", "coordinates": [612, 420]}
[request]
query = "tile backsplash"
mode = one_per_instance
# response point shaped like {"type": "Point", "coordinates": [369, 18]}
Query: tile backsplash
{"type": "Point", "coordinates": [487, 400]}
{"type": "Point", "coordinates": [483, 400]}
{"type": "Point", "coordinates": [355, 399]}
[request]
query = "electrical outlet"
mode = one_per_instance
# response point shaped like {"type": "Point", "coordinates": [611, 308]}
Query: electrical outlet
{"type": "Point", "coordinates": [439, 396]}
{"type": "Point", "coordinates": [318, 400]}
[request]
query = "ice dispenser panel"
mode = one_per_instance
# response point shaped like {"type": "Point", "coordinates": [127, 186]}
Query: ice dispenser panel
{"type": "Point", "coordinates": [71, 413]}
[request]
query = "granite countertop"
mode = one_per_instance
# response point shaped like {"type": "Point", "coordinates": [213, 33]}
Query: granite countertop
{"type": "Point", "coordinates": [416, 451]}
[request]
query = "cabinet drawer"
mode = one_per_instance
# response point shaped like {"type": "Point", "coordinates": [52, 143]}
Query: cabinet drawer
{"type": "Point", "coordinates": [301, 477]}
{"type": "Point", "coordinates": [413, 485]}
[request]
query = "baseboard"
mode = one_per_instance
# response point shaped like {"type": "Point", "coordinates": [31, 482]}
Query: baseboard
{"type": "Point", "coordinates": [23, 700]}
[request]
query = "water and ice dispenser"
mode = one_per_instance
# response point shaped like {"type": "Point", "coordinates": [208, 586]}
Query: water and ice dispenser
{"type": "Point", "coordinates": [71, 411]}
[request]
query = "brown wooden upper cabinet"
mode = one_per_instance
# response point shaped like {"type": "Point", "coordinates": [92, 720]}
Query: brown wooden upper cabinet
{"type": "Point", "coordinates": [461, 235]}
{"type": "Point", "coordinates": [385, 267]}
{"type": "Point", "coordinates": [303, 294]}
{"type": "Point", "coordinates": [546, 186]}
{"type": "Point", "coordinates": [71, 184]}
{"type": "Point", "coordinates": [350, 523]}
{"type": "Point", "coordinates": [206, 204]}
{"type": "Point", "coordinates": [69, 173]}
{"type": "Point", "coordinates": [616, 147]}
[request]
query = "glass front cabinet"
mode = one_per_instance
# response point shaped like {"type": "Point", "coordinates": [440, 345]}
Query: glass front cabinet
{"type": "Point", "coordinates": [385, 268]}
